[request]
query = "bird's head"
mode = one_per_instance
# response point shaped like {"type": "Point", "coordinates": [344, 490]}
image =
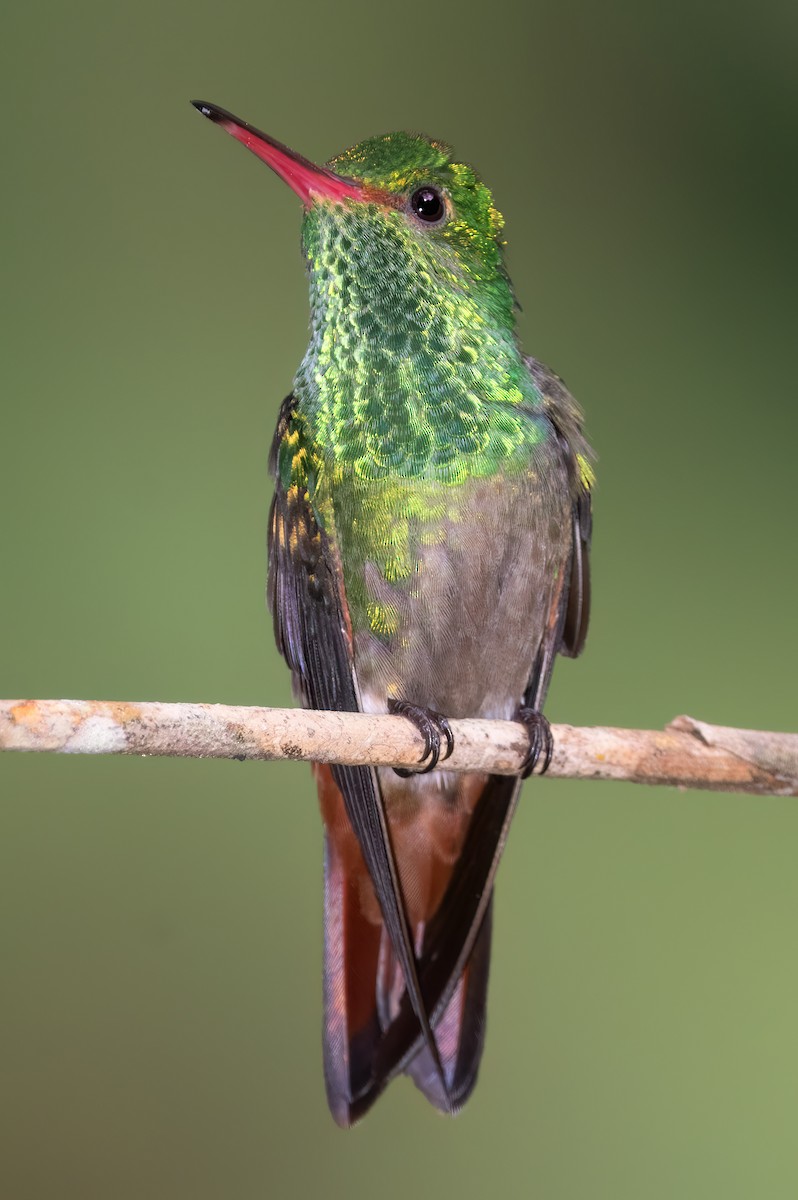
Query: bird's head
{"type": "Point", "coordinates": [395, 207]}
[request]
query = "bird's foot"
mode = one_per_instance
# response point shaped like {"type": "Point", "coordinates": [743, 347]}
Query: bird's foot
{"type": "Point", "coordinates": [540, 741]}
{"type": "Point", "coordinates": [432, 726]}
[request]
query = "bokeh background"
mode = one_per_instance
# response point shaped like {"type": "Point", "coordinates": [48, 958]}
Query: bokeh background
{"type": "Point", "coordinates": [160, 933]}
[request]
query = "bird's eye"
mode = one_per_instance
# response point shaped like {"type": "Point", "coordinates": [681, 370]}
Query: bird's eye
{"type": "Point", "coordinates": [428, 205]}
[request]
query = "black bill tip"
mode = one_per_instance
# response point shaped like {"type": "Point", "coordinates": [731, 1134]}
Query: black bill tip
{"type": "Point", "coordinates": [211, 111]}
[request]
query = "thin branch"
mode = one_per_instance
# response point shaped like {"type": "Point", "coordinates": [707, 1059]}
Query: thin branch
{"type": "Point", "coordinates": [688, 753]}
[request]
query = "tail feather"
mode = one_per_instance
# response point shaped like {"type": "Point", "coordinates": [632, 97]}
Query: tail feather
{"type": "Point", "coordinates": [460, 1033]}
{"type": "Point", "coordinates": [371, 1032]}
{"type": "Point", "coordinates": [352, 1029]}
{"type": "Point", "coordinates": [362, 1016]}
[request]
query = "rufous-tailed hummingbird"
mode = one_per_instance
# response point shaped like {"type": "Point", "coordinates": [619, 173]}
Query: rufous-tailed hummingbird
{"type": "Point", "coordinates": [428, 556]}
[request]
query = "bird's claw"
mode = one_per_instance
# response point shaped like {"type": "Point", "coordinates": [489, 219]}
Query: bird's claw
{"type": "Point", "coordinates": [433, 727]}
{"type": "Point", "coordinates": [540, 741]}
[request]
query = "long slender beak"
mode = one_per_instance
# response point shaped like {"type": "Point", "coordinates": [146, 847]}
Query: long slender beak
{"type": "Point", "coordinates": [302, 176]}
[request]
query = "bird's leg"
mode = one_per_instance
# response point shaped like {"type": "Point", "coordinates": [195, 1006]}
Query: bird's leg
{"type": "Point", "coordinates": [432, 726]}
{"type": "Point", "coordinates": [540, 740]}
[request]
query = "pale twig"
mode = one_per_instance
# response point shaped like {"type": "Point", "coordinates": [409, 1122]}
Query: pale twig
{"type": "Point", "coordinates": [688, 753]}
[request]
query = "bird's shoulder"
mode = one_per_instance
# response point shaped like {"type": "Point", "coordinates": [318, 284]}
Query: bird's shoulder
{"type": "Point", "coordinates": [566, 417]}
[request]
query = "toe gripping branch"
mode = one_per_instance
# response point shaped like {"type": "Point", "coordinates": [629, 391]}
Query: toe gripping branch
{"type": "Point", "coordinates": [540, 741]}
{"type": "Point", "coordinates": [433, 727]}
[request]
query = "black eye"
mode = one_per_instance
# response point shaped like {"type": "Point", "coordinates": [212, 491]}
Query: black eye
{"type": "Point", "coordinates": [428, 205]}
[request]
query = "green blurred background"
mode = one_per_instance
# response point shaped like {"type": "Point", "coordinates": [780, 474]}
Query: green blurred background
{"type": "Point", "coordinates": [160, 928]}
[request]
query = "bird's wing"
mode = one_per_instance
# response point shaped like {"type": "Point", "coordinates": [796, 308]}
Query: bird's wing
{"type": "Point", "coordinates": [307, 600]}
{"type": "Point", "coordinates": [569, 628]}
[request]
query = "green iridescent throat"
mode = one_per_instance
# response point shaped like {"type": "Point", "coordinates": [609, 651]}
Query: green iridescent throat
{"type": "Point", "coordinates": [412, 366]}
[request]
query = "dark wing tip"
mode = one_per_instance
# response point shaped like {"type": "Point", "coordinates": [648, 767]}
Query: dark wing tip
{"type": "Point", "coordinates": [577, 612]}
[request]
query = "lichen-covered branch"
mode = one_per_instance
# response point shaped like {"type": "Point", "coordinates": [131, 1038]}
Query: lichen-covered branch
{"type": "Point", "coordinates": [688, 753]}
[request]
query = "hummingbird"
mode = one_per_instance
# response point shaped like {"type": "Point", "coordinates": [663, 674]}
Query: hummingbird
{"type": "Point", "coordinates": [428, 556]}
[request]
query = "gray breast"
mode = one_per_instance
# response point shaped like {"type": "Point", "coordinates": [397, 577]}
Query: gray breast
{"type": "Point", "coordinates": [474, 614]}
